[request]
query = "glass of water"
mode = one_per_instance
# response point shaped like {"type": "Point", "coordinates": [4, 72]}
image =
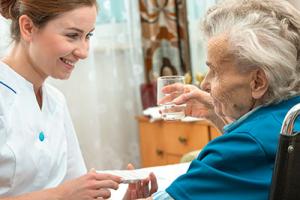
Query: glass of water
{"type": "Point", "coordinates": [169, 88]}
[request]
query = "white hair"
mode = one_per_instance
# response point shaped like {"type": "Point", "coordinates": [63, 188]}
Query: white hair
{"type": "Point", "coordinates": [264, 34]}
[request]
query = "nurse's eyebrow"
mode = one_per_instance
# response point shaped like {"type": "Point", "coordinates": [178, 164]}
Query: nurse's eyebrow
{"type": "Point", "coordinates": [79, 30]}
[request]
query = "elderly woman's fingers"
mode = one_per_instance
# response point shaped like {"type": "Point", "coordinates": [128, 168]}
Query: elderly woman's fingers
{"type": "Point", "coordinates": [145, 187]}
{"type": "Point", "coordinates": [198, 95]}
{"type": "Point", "coordinates": [182, 98]}
{"type": "Point", "coordinates": [153, 181]}
{"type": "Point", "coordinates": [139, 189]}
{"type": "Point", "coordinates": [133, 194]}
{"type": "Point", "coordinates": [131, 186]}
{"type": "Point", "coordinates": [130, 166]}
{"type": "Point", "coordinates": [169, 97]}
{"type": "Point", "coordinates": [178, 92]}
{"type": "Point", "coordinates": [102, 193]}
{"type": "Point", "coordinates": [172, 88]}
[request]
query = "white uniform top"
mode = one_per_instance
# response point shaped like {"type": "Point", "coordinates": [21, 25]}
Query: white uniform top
{"type": "Point", "coordinates": [38, 147]}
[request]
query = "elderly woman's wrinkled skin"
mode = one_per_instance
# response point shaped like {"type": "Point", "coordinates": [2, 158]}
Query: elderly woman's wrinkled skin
{"type": "Point", "coordinates": [234, 92]}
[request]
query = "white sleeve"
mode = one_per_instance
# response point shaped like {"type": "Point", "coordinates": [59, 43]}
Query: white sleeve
{"type": "Point", "coordinates": [2, 124]}
{"type": "Point", "coordinates": [75, 164]}
{"type": "Point", "coordinates": [7, 164]}
{"type": "Point", "coordinates": [2, 131]}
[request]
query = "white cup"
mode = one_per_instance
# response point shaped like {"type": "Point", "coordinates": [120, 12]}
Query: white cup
{"type": "Point", "coordinates": [168, 109]}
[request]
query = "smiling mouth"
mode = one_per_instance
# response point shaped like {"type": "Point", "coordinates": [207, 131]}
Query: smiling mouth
{"type": "Point", "coordinates": [72, 64]}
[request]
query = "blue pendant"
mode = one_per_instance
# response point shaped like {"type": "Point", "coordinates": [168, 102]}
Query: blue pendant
{"type": "Point", "coordinates": [42, 136]}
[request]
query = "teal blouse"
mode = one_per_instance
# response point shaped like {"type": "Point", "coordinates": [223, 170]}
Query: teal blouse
{"type": "Point", "coordinates": [239, 164]}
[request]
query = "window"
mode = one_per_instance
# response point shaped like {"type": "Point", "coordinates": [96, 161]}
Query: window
{"type": "Point", "coordinates": [111, 11]}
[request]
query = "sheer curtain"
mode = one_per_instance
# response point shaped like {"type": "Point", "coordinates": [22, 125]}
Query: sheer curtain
{"type": "Point", "coordinates": [4, 35]}
{"type": "Point", "coordinates": [196, 10]}
{"type": "Point", "coordinates": [103, 92]}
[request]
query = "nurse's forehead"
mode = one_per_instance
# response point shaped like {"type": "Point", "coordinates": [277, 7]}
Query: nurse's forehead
{"type": "Point", "coordinates": [82, 18]}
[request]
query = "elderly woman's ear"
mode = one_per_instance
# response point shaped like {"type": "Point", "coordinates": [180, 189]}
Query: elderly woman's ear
{"type": "Point", "coordinates": [259, 84]}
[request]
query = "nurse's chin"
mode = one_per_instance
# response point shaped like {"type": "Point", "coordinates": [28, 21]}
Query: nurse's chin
{"type": "Point", "coordinates": [63, 76]}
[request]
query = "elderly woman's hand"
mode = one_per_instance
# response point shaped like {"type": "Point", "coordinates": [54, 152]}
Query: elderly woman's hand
{"type": "Point", "coordinates": [199, 103]}
{"type": "Point", "coordinates": [141, 190]}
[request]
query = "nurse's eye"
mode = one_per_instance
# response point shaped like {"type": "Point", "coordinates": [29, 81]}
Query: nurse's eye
{"type": "Point", "coordinates": [89, 35]}
{"type": "Point", "coordinates": [73, 36]}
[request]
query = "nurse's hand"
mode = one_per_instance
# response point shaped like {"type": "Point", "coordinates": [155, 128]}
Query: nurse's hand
{"type": "Point", "coordinates": [90, 186]}
{"type": "Point", "coordinates": [141, 189]}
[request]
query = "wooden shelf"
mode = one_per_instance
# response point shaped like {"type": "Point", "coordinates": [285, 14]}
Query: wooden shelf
{"type": "Point", "coordinates": [164, 142]}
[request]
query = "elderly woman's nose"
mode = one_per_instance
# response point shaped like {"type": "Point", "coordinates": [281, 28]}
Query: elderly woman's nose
{"type": "Point", "coordinates": [205, 84]}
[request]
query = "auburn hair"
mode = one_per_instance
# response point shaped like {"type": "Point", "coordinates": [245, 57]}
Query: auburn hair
{"type": "Point", "coordinates": [40, 11]}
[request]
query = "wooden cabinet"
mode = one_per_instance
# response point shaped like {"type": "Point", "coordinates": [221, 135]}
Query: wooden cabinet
{"type": "Point", "coordinates": [164, 142]}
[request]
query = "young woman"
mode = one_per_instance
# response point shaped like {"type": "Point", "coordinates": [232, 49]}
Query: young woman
{"type": "Point", "coordinates": [39, 153]}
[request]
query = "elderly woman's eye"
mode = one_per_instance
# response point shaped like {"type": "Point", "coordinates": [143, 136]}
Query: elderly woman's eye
{"type": "Point", "coordinates": [211, 71]}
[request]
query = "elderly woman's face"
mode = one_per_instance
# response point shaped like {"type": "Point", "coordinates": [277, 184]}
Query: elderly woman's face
{"type": "Point", "coordinates": [229, 88]}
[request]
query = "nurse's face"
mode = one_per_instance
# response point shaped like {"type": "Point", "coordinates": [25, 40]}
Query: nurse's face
{"type": "Point", "coordinates": [229, 88]}
{"type": "Point", "coordinates": [55, 48]}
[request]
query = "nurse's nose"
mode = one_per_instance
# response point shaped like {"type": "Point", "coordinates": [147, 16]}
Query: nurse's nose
{"type": "Point", "coordinates": [82, 50]}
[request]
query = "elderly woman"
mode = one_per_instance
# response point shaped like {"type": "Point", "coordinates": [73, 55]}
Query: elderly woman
{"type": "Point", "coordinates": [253, 57]}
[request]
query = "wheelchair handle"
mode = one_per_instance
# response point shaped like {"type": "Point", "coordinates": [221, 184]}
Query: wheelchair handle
{"type": "Point", "coordinates": [289, 120]}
